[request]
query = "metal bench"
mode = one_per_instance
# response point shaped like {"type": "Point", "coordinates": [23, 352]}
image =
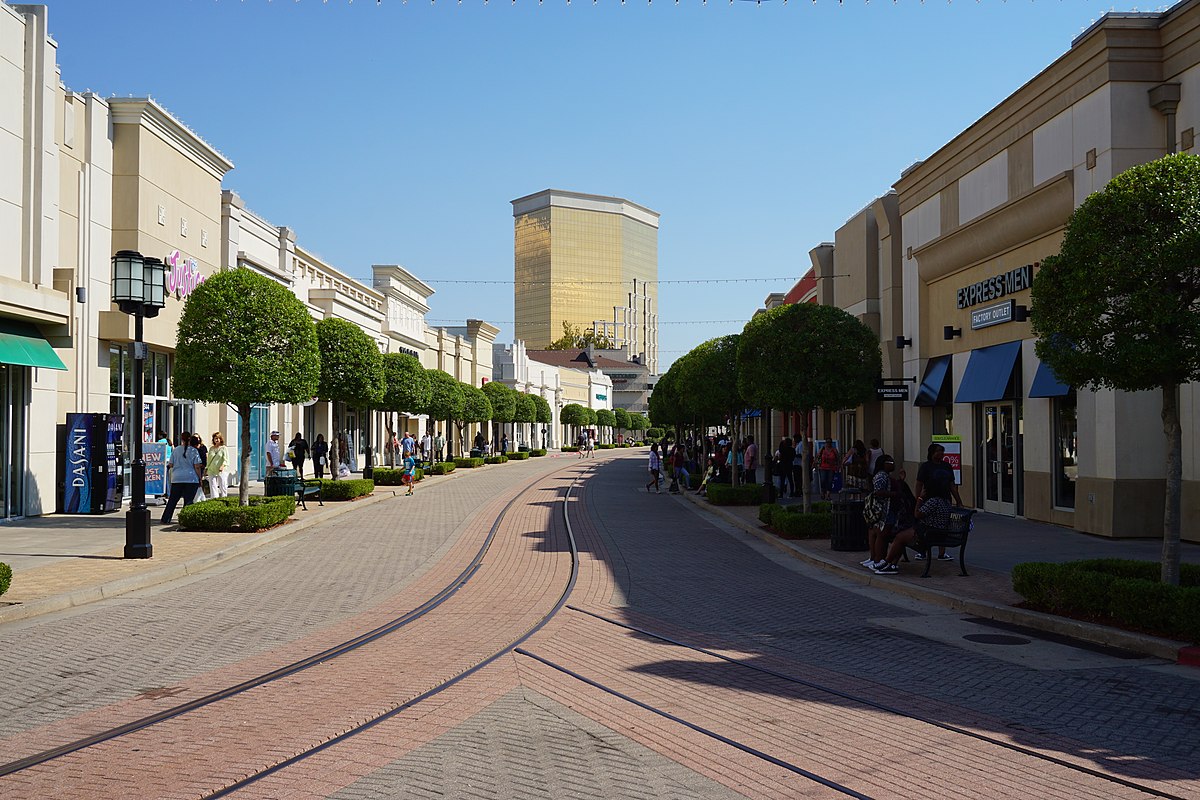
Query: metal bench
{"type": "Point", "coordinates": [287, 481]}
{"type": "Point", "coordinates": [956, 535]}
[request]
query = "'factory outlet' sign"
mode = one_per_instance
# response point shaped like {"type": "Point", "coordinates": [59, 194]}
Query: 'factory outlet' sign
{"type": "Point", "coordinates": [997, 286]}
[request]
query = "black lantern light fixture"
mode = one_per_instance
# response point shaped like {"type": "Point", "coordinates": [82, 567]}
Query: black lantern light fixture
{"type": "Point", "coordinates": [139, 288]}
{"type": "Point", "coordinates": [903, 342]}
{"type": "Point", "coordinates": [949, 332]}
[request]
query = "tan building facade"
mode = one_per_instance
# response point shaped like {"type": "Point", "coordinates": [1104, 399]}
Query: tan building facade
{"type": "Point", "coordinates": [588, 261]}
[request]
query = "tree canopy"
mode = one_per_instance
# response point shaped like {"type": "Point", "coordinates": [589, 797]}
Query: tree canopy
{"type": "Point", "coordinates": [445, 396]}
{"type": "Point", "coordinates": [476, 406]}
{"type": "Point", "coordinates": [527, 410]}
{"type": "Point", "coordinates": [407, 384]}
{"type": "Point", "coordinates": [606, 418]}
{"type": "Point", "coordinates": [622, 419]}
{"type": "Point", "coordinates": [245, 339]}
{"type": "Point", "coordinates": [351, 365]}
{"type": "Point", "coordinates": [544, 413]}
{"type": "Point", "coordinates": [709, 388]}
{"type": "Point", "coordinates": [573, 414]}
{"type": "Point", "coordinates": [803, 356]}
{"type": "Point", "coordinates": [575, 337]}
{"type": "Point", "coordinates": [1119, 305]}
{"type": "Point", "coordinates": [503, 401]}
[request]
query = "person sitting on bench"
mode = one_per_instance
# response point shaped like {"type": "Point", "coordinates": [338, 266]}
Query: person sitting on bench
{"type": "Point", "coordinates": [933, 511]}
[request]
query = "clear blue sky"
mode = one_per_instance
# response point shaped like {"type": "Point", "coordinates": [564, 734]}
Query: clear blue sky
{"type": "Point", "coordinates": [398, 132]}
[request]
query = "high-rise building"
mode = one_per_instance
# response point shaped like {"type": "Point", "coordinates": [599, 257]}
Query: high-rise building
{"type": "Point", "coordinates": [588, 261]}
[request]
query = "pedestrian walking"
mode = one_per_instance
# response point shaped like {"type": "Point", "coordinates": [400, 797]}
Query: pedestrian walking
{"type": "Point", "coordinates": [784, 455]}
{"type": "Point", "coordinates": [185, 476]}
{"type": "Point", "coordinates": [320, 456]}
{"type": "Point", "coordinates": [750, 457]}
{"type": "Point", "coordinates": [504, 444]}
{"type": "Point", "coordinates": [439, 447]}
{"type": "Point", "coordinates": [873, 455]}
{"type": "Point", "coordinates": [409, 476]}
{"type": "Point", "coordinates": [217, 467]}
{"type": "Point", "coordinates": [655, 469]}
{"type": "Point", "coordinates": [298, 452]}
{"type": "Point", "coordinates": [828, 462]}
{"type": "Point", "coordinates": [426, 447]}
{"type": "Point", "coordinates": [679, 473]}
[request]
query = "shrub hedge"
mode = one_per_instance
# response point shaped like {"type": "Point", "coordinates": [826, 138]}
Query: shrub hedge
{"type": "Point", "coordinates": [791, 523]}
{"type": "Point", "coordinates": [1120, 591]}
{"type": "Point", "coordinates": [224, 514]}
{"type": "Point", "coordinates": [346, 489]}
{"type": "Point", "coordinates": [722, 494]}
{"type": "Point", "coordinates": [520, 455]}
{"type": "Point", "coordinates": [441, 468]}
{"type": "Point", "coordinates": [390, 476]}
{"type": "Point", "coordinates": [569, 448]}
{"type": "Point", "coordinates": [541, 451]}
{"type": "Point", "coordinates": [468, 463]}
{"type": "Point", "coordinates": [496, 460]}
{"type": "Point", "coordinates": [5, 577]}
{"type": "Point", "coordinates": [654, 434]}
{"type": "Point", "coordinates": [605, 446]}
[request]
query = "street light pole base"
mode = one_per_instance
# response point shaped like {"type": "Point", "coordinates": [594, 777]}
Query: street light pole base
{"type": "Point", "coordinates": [137, 533]}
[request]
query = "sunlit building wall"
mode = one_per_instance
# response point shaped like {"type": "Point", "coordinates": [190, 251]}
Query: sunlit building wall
{"type": "Point", "coordinates": [588, 261]}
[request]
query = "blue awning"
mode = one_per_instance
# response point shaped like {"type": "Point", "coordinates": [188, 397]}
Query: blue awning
{"type": "Point", "coordinates": [751, 413]}
{"type": "Point", "coordinates": [988, 373]}
{"type": "Point", "coordinates": [1047, 384]}
{"type": "Point", "coordinates": [936, 373]}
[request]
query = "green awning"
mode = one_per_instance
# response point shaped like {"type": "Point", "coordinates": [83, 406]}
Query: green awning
{"type": "Point", "coordinates": [23, 345]}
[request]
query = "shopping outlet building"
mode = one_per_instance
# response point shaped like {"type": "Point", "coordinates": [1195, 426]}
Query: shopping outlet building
{"type": "Point", "coordinates": [941, 269]}
{"type": "Point", "coordinates": [82, 177]}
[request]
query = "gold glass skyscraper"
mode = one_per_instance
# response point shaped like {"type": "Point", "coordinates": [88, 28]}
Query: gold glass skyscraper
{"type": "Point", "coordinates": [589, 261]}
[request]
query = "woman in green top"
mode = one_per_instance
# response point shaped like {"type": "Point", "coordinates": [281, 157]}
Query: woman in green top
{"type": "Point", "coordinates": [217, 469]}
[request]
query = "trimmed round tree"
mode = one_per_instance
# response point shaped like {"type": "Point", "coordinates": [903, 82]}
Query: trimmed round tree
{"type": "Point", "coordinates": [476, 408]}
{"type": "Point", "coordinates": [805, 356]}
{"type": "Point", "coordinates": [351, 372]}
{"type": "Point", "coordinates": [445, 401]}
{"type": "Point", "coordinates": [245, 339]}
{"type": "Point", "coordinates": [504, 407]}
{"type": "Point", "coordinates": [708, 385]}
{"type": "Point", "coordinates": [574, 415]}
{"type": "Point", "coordinates": [526, 412]}
{"type": "Point", "coordinates": [1117, 308]}
{"type": "Point", "coordinates": [545, 415]}
{"type": "Point", "coordinates": [622, 419]}
{"type": "Point", "coordinates": [407, 388]}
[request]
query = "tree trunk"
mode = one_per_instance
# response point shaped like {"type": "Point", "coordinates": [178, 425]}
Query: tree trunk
{"type": "Point", "coordinates": [1170, 419]}
{"type": "Point", "coordinates": [243, 410]}
{"type": "Point", "coordinates": [805, 465]}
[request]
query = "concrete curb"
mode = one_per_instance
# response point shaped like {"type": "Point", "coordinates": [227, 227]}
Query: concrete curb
{"type": "Point", "coordinates": [1167, 649]}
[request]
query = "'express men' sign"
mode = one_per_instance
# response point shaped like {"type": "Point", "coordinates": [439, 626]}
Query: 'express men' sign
{"type": "Point", "coordinates": [997, 286]}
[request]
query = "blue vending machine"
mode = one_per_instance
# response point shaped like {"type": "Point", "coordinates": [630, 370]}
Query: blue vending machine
{"type": "Point", "coordinates": [91, 466]}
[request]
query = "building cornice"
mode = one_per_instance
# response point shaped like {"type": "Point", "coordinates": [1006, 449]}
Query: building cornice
{"type": "Point", "coordinates": [148, 114]}
{"type": "Point", "coordinates": [558, 198]}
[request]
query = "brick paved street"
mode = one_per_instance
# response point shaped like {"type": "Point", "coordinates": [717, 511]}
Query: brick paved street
{"type": "Point", "coordinates": [518, 728]}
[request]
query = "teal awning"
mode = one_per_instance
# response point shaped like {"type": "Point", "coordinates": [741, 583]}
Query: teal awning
{"type": "Point", "coordinates": [21, 344]}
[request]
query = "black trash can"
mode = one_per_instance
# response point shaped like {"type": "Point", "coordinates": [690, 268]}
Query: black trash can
{"type": "Point", "coordinates": [849, 527]}
{"type": "Point", "coordinates": [280, 483]}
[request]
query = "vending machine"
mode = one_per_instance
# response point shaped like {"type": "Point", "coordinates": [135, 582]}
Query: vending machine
{"type": "Point", "coordinates": [91, 466]}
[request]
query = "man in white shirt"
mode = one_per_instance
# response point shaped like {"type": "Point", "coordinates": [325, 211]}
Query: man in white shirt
{"type": "Point", "coordinates": [274, 460]}
{"type": "Point", "coordinates": [426, 447]}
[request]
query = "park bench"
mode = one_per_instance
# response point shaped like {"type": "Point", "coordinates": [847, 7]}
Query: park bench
{"type": "Point", "coordinates": [956, 535]}
{"type": "Point", "coordinates": [286, 481]}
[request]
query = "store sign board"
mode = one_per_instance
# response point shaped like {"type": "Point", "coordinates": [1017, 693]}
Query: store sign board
{"type": "Point", "coordinates": [155, 456]}
{"type": "Point", "coordinates": [997, 286]}
{"type": "Point", "coordinates": [993, 315]}
{"type": "Point", "coordinates": [183, 274]}
{"type": "Point", "coordinates": [892, 393]}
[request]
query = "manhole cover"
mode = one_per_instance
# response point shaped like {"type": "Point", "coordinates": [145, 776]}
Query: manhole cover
{"type": "Point", "coordinates": [995, 638]}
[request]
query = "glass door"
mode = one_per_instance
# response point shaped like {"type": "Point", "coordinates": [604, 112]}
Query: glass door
{"type": "Point", "coordinates": [12, 441]}
{"type": "Point", "coordinates": [259, 420]}
{"type": "Point", "coordinates": [999, 458]}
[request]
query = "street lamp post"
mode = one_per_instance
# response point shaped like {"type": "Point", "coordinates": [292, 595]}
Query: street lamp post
{"type": "Point", "coordinates": [139, 289]}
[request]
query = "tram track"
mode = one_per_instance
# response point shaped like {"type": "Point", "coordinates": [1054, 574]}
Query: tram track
{"type": "Point", "coordinates": [822, 688]}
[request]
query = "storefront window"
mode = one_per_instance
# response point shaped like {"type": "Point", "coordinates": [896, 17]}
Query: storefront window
{"type": "Point", "coordinates": [1066, 454]}
{"type": "Point", "coordinates": [943, 420]}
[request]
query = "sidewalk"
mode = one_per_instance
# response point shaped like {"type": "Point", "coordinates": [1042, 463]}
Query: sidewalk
{"type": "Point", "coordinates": [64, 560]}
{"type": "Point", "coordinates": [997, 544]}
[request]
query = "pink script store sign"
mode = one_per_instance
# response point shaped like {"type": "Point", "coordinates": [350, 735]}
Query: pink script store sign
{"type": "Point", "coordinates": [183, 274]}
